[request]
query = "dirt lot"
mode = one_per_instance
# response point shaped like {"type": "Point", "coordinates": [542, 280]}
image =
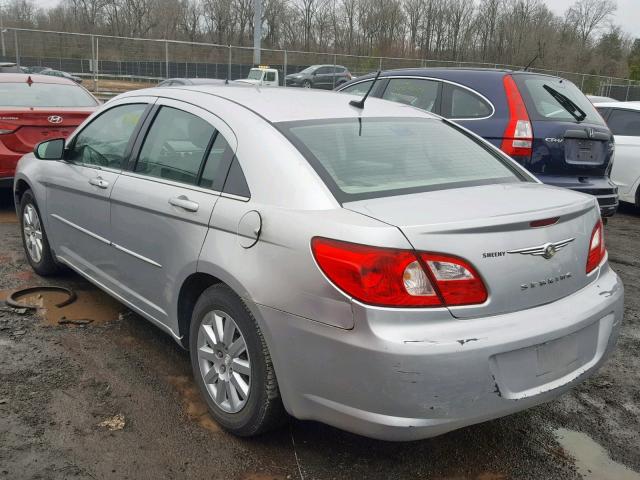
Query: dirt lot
{"type": "Point", "coordinates": [62, 387]}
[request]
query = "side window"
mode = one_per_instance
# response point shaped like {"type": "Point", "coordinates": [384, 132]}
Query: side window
{"type": "Point", "coordinates": [413, 91]}
{"type": "Point", "coordinates": [174, 146]}
{"type": "Point", "coordinates": [236, 182]}
{"type": "Point", "coordinates": [217, 165]}
{"type": "Point", "coordinates": [624, 122]}
{"type": "Point", "coordinates": [358, 88]}
{"type": "Point", "coordinates": [466, 104]}
{"type": "Point", "coordinates": [105, 140]}
{"type": "Point", "coordinates": [270, 77]}
{"type": "Point", "coordinates": [324, 70]}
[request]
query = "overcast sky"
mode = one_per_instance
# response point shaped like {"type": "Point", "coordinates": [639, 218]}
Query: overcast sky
{"type": "Point", "coordinates": [627, 15]}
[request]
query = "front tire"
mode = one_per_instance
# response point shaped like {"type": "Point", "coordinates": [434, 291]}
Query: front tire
{"type": "Point", "coordinates": [232, 365]}
{"type": "Point", "coordinates": [34, 238]}
{"type": "Point", "coordinates": [306, 84]}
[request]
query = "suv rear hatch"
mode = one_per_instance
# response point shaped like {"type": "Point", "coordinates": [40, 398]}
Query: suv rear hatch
{"type": "Point", "coordinates": [487, 226]}
{"type": "Point", "coordinates": [569, 135]}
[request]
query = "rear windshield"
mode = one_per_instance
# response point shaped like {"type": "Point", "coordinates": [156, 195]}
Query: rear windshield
{"type": "Point", "coordinates": [44, 95]}
{"type": "Point", "coordinates": [541, 105]}
{"type": "Point", "coordinates": [378, 157]}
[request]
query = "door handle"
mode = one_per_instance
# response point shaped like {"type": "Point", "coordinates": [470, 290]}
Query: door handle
{"type": "Point", "coordinates": [184, 203]}
{"type": "Point", "coordinates": [99, 182]}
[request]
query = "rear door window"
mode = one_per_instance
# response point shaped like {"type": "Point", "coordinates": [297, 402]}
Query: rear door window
{"type": "Point", "coordinates": [416, 92]}
{"type": "Point", "coordinates": [175, 146]}
{"type": "Point", "coordinates": [541, 104]}
{"type": "Point", "coordinates": [461, 103]}
{"type": "Point", "coordinates": [624, 123]}
{"type": "Point", "coordinates": [357, 88]}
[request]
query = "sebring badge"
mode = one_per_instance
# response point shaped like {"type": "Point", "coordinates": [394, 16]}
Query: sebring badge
{"type": "Point", "coordinates": [548, 250]}
{"type": "Point", "coordinates": [54, 119]}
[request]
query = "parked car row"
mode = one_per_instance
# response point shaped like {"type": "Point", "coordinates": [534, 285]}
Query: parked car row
{"type": "Point", "coordinates": [318, 261]}
{"type": "Point", "coordinates": [339, 258]}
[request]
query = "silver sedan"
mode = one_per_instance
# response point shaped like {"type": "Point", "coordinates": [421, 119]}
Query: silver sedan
{"type": "Point", "coordinates": [378, 269]}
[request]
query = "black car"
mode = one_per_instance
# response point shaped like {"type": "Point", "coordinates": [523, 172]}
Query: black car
{"type": "Point", "coordinates": [543, 122]}
{"type": "Point", "coordinates": [319, 76]}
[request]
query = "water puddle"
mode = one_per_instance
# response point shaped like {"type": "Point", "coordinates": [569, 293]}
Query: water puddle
{"type": "Point", "coordinates": [8, 217]}
{"type": "Point", "coordinates": [194, 405]}
{"type": "Point", "coordinates": [591, 459]}
{"type": "Point", "coordinates": [91, 305]}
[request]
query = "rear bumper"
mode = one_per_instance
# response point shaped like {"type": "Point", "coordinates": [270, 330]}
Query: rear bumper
{"type": "Point", "coordinates": [406, 375]}
{"type": "Point", "coordinates": [600, 187]}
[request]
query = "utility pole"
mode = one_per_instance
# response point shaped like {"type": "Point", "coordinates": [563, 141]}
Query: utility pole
{"type": "Point", "coordinates": [257, 30]}
{"type": "Point", "coordinates": [2, 31]}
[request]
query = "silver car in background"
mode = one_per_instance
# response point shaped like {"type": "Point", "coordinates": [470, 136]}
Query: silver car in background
{"type": "Point", "coordinates": [379, 269]}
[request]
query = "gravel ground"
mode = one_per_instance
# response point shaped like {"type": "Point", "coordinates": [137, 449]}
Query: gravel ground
{"type": "Point", "coordinates": [63, 386]}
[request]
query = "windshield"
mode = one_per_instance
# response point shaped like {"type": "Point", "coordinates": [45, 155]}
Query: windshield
{"type": "Point", "coordinates": [44, 95]}
{"type": "Point", "coordinates": [552, 98]}
{"type": "Point", "coordinates": [377, 157]}
{"type": "Point", "coordinates": [308, 69]}
{"type": "Point", "coordinates": [255, 74]}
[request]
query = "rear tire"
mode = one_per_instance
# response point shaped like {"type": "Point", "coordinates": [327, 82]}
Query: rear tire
{"type": "Point", "coordinates": [232, 365]}
{"type": "Point", "coordinates": [34, 238]}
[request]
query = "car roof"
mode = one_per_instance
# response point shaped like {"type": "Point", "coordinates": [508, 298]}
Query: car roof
{"type": "Point", "coordinates": [280, 104]}
{"type": "Point", "coordinates": [36, 78]}
{"type": "Point", "coordinates": [627, 105]}
{"type": "Point", "coordinates": [446, 71]}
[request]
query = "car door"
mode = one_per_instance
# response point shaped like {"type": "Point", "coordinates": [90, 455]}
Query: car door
{"type": "Point", "coordinates": [161, 206]}
{"type": "Point", "coordinates": [625, 126]}
{"type": "Point", "coordinates": [80, 185]}
{"type": "Point", "coordinates": [323, 77]}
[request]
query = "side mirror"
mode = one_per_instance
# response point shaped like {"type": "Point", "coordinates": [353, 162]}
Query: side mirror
{"type": "Point", "coordinates": [50, 150]}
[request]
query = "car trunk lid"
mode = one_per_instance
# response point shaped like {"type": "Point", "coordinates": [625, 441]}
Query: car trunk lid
{"type": "Point", "coordinates": [491, 227]}
{"type": "Point", "coordinates": [30, 126]}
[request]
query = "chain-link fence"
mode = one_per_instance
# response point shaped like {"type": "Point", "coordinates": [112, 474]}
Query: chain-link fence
{"type": "Point", "coordinates": [110, 64]}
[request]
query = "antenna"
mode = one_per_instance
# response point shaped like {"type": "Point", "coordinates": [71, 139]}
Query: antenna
{"type": "Point", "coordinates": [360, 103]}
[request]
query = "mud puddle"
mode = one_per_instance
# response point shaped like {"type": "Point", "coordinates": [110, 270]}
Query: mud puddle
{"type": "Point", "coordinates": [91, 306]}
{"type": "Point", "coordinates": [195, 407]}
{"type": "Point", "coordinates": [592, 460]}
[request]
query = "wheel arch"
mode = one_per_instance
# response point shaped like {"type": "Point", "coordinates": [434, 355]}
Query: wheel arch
{"type": "Point", "coordinates": [21, 186]}
{"type": "Point", "coordinates": [198, 282]}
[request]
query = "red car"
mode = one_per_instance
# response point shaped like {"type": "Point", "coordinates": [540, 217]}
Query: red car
{"type": "Point", "coordinates": [34, 108]}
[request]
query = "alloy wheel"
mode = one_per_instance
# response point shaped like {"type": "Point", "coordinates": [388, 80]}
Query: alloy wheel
{"type": "Point", "coordinates": [32, 231]}
{"type": "Point", "coordinates": [224, 361]}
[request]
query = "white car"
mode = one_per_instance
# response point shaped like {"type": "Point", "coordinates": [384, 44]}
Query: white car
{"type": "Point", "coordinates": [623, 119]}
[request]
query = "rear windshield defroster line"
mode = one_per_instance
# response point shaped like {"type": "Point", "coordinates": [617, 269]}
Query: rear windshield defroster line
{"type": "Point", "coordinates": [361, 158]}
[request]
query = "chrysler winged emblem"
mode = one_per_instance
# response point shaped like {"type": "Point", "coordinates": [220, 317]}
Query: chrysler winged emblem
{"type": "Point", "coordinates": [547, 250]}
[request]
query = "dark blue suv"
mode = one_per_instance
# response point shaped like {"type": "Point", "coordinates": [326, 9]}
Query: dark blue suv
{"type": "Point", "coordinates": [544, 122]}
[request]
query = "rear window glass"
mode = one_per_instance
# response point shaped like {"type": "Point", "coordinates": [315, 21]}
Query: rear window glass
{"type": "Point", "coordinates": [44, 95]}
{"type": "Point", "coordinates": [541, 105]}
{"type": "Point", "coordinates": [377, 157]}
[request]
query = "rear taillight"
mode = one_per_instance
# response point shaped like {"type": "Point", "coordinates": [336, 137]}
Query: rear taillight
{"type": "Point", "coordinates": [398, 278]}
{"type": "Point", "coordinates": [518, 136]}
{"type": "Point", "coordinates": [7, 128]}
{"type": "Point", "coordinates": [597, 248]}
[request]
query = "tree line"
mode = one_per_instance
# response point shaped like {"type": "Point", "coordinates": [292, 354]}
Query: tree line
{"type": "Point", "coordinates": [513, 32]}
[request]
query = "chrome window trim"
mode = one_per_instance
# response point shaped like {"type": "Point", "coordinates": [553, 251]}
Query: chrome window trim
{"type": "Point", "coordinates": [455, 84]}
{"type": "Point", "coordinates": [188, 186]}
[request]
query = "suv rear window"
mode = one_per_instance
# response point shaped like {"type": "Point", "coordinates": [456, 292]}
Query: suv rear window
{"type": "Point", "coordinates": [44, 95]}
{"type": "Point", "coordinates": [541, 105]}
{"type": "Point", "coordinates": [378, 157]}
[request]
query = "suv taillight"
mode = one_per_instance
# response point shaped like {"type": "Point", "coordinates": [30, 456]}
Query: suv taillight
{"type": "Point", "coordinates": [597, 248]}
{"type": "Point", "coordinates": [398, 278]}
{"type": "Point", "coordinates": [517, 140]}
